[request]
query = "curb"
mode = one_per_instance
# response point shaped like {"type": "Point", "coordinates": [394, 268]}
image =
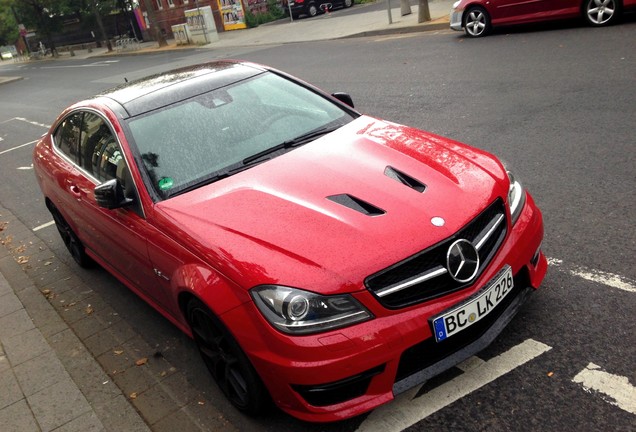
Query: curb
{"type": "Point", "coordinates": [420, 28]}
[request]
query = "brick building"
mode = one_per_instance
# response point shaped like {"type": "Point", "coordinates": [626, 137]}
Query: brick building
{"type": "Point", "coordinates": [172, 12]}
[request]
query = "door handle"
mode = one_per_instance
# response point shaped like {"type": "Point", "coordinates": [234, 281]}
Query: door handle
{"type": "Point", "coordinates": [76, 191]}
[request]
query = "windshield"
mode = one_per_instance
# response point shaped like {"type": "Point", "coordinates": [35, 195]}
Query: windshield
{"type": "Point", "coordinates": [186, 145]}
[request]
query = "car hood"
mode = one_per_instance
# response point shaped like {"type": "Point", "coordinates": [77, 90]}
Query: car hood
{"type": "Point", "coordinates": [328, 214]}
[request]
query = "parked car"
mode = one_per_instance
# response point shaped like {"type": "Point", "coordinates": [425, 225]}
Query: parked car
{"type": "Point", "coordinates": [478, 17]}
{"type": "Point", "coordinates": [312, 8]}
{"type": "Point", "coordinates": [323, 258]}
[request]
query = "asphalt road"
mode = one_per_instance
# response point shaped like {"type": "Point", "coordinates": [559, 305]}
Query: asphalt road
{"type": "Point", "coordinates": [557, 102]}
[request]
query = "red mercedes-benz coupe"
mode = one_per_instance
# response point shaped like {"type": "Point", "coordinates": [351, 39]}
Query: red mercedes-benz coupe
{"type": "Point", "coordinates": [323, 258]}
{"type": "Point", "coordinates": [478, 17]}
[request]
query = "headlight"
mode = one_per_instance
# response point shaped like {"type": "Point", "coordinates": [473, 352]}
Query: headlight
{"type": "Point", "coordinates": [516, 196]}
{"type": "Point", "coordinates": [296, 311]}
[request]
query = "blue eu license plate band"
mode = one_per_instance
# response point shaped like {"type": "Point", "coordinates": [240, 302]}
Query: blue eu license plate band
{"type": "Point", "coordinates": [471, 311]}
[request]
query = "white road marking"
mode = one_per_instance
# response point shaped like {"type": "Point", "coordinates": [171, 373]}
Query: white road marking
{"type": "Point", "coordinates": [32, 122]}
{"type": "Point", "coordinates": [17, 147]}
{"type": "Point", "coordinates": [404, 411]}
{"type": "Point", "coordinates": [95, 64]}
{"type": "Point", "coordinates": [48, 224]}
{"type": "Point", "coordinates": [617, 387]}
{"type": "Point", "coordinates": [30, 167]}
{"type": "Point", "coordinates": [599, 276]}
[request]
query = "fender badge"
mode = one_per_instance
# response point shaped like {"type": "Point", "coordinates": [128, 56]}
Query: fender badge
{"type": "Point", "coordinates": [438, 221]}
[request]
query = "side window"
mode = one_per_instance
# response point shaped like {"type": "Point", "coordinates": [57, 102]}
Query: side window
{"type": "Point", "coordinates": [108, 161]}
{"type": "Point", "coordinates": [68, 134]}
{"type": "Point", "coordinates": [94, 140]}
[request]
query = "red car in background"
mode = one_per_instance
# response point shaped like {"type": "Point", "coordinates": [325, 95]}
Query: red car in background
{"type": "Point", "coordinates": [478, 17]}
{"type": "Point", "coordinates": [323, 258]}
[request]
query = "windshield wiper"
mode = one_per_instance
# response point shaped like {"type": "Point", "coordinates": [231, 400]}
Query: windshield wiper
{"type": "Point", "coordinates": [258, 158]}
{"type": "Point", "coordinates": [299, 140]}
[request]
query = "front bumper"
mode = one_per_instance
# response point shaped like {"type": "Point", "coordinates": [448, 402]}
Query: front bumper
{"type": "Point", "coordinates": [456, 19]}
{"type": "Point", "coordinates": [346, 372]}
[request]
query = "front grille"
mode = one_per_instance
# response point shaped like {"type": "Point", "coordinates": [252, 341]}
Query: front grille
{"type": "Point", "coordinates": [427, 353]}
{"type": "Point", "coordinates": [424, 276]}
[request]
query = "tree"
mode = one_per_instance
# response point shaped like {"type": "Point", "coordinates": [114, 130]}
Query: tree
{"type": "Point", "coordinates": [8, 25]}
{"type": "Point", "coordinates": [154, 28]}
{"type": "Point", "coordinates": [100, 24]}
{"type": "Point", "coordinates": [423, 13]}
{"type": "Point", "coordinates": [46, 16]}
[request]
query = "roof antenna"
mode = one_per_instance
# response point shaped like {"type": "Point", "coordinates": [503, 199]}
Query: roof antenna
{"type": "Point", "coordinates": [125, 79]}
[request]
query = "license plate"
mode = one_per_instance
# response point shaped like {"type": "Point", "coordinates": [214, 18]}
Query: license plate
{"type": "Point", "coordinates": [462, 316]}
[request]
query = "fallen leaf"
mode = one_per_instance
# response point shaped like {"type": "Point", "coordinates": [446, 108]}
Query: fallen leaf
{"type": "Point", "coordinates": [20, 249]}
{"type": "Point", "coordinates": [23, 259]}
{"type": "Point", "coordinates": [141, 361]}
{"type": "Point", "coordinates": [118, 352]}
{"type": "Point", "coordinates": [48, 263]}
{"type": "Point", "coordinates": [46, 292]}
{"type": "Point", "coordinates": [201, 403]}
{"type": "Point", "coordinates": [133, 395]}
{"type": "Point", "coordinates": [550, 374]}
{"type": "Point", "coordinates": [163, 373]}
{"type": "Point", "coordinates": [89, 310]}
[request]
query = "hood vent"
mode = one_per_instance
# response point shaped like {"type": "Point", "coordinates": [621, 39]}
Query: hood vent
{"type": "Point", "coordinates": [404, 179]}
{"type": "Point", "coordinates": [356, 204]}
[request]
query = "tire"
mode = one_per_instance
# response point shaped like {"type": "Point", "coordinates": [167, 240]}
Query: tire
{"type": "Point", "coordinates": [599, 13]}
{"type": "Point", "coordinates": [226, 361]}
{"type": "Point", "coordinates": [476, 22]}
{"type": "Point", "coordinates": [347, 3]}
{"type": "Point", "coordinates": [70, 239]}
{"type": "Point", "coordinates": [312, 10]}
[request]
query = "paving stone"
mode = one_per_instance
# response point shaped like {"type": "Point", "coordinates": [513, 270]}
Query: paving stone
{"type": "Point", "coordinates": [63, 285]}
{"type": "Point", "coordinates": [40, 372]}
{"type": "Point", "coordinates": [118, 415]}
{"type": "Point", "coordinates": [95, 384]}
{"type": "Point", "coordinates": [154, 404]}
{"type": "Point", "coordinates": [101, 342]}
{"type": "Point", "coordinates": [18, 418]}
{"type": "Point", "coordinates": [58, 404]}
{"type": "Point", "coordinates": [10, 390]}
{"type": "Point", "coordinates": [85, 423]}
{"type": "Point", "coordinates": [135, 379]}
{"type": "Point", "coordinates": [9, 303]}
{"type": "Point", "coordinates": [5, 288]}
{"type": "Point", "coordinates": [4, 362]}
{"type": "Point", "coordinates": [15, 324]}
{"type": "Point", "coordinates": [14, 274]}
{"type": "Point", "coordinates": [25, 346]}
{"type": "Point", "coordinates": [88, 326]}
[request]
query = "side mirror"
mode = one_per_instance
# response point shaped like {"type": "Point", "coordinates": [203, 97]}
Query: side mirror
{"type": "Point", "coordinates": [344, 98]}
{"type": "Point", "coordinates": [110, 195]}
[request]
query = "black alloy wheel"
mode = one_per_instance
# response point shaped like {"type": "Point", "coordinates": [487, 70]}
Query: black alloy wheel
{"type": "Point", "coordinates": [70, 239]}
{"type": "Point", "coordinates": [225, 360]}
{"type": "Point", "coordinates": [348, 3]}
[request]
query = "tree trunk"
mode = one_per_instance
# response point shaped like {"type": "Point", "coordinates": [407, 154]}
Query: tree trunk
{"type": "Point", "coordinates": [405, 7]}
{"type": "Point", "coordinates": [100, 24]}
{"type": "Point", "coordinates": [423, 14]}
{"type": "Point", "coordinates": [155, 31]}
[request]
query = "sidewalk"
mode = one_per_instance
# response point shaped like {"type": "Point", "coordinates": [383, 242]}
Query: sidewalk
{"type": "Point", "coordinates": [49, 381]}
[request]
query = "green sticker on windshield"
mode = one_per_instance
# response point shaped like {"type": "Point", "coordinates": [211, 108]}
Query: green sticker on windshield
{"type": "Point", "coordinates": [165, 183]}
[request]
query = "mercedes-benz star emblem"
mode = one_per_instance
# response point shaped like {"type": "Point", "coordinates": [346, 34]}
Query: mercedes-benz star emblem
{"type": "Point", "coordinates": [462, 261]}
